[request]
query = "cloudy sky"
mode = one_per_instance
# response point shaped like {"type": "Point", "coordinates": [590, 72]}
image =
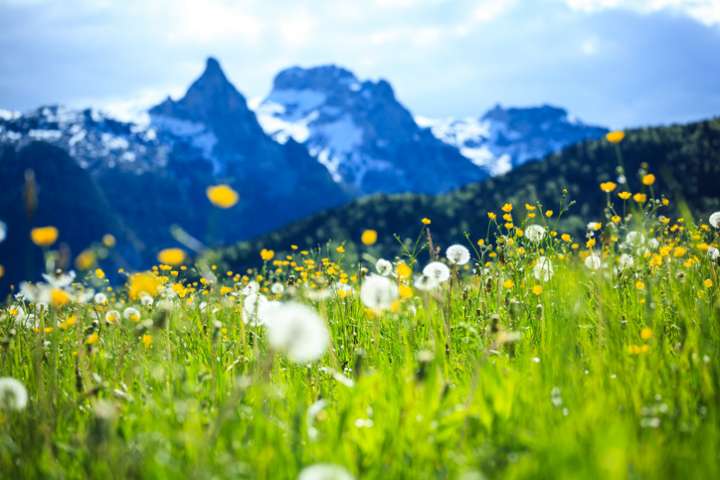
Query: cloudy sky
{"type": "Point", "coordinates": [614, 62]}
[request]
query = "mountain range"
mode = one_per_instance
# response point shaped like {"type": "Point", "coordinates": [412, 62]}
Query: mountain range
{"type": "Point", "coordinates": [319, 139]}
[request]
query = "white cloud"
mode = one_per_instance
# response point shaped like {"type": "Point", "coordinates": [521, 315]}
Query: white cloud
{"type": "Point", "coordinates": [704, 11]}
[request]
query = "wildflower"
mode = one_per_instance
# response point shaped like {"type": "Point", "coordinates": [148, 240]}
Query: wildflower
{"type": "Point", "coordinates": [85, 260]}
{"type": "Point", "coordinates": [648, 179]}
{"type": "Point", "coordinates": [549, 213]}
{"type": "Point", "coordinates": [492, 215]}
{"type": "Point", "coordinates": [679, 251]}
{"type": "Point", "coordinates": [426, 283]}
{"type": "Point", "coordinates": [426, 221]}
{"type": "Point", "coordinates": [255, 307]}
{"type": "Point", "coordinates": [277, 288]}
{"type": "Point", "coordinates": [383, 267]}
{"type": "Point", "coordinates": [714, 220]}
{"type": "Point", "coordinates": [634, 239]}
{"type": "Point", "coordinates": [171, 256]}
{"type": "Point", "coordinates": [404, 291]}
{"type": "Point", "coordinates": [594, 226]}
{"type": "Point", "coordinates": [222, 196]}
{"type": "Point", "coordinates": [378, 292]}
{"type": "Point", "coordinates": [437, 270]}
{"type": "Point", "coordinates": [100, 298]}
{"type": "Point", "coordinates": [92, 339]}
{"type": "Point", "coordinates": [543, 269]}
{"type": "Point", "coordinates": [132, 314]}
{"type": "Point", "coordinates": [324, 471]}
{"type": "Point", "coordinates": [298, 331]}
{"type": "Point", "coordinates": [403, 271]}
{"type": "Point", "coordinates": [593, 261]}
{"type": "Point", "coordinates": [144, 282]}
{"type": "Point", "coordinates": [147, 340]}
{"type": "Point", "coordinates": [457, 254]}
{"type": "Point", "coordinates": [615, 219]}
{"type": "Point", "coordinates": [624, 195]}
{"type": "Point", "coordinates": [99, 273]}
{"type": "Point", "coordinates": [616, 136]}
{"type": "Point", "coordinates": [507, 208]}
{"type": "Point", "coordinates": [640, 285]}
{"type": "Point", "coordinates": [707, 283]}
{"type": "Point", "coordinates": [625, 261]}
{"type": "Point", "coordinates": [537, 290]}
{"type": "Point", "coordinates": [59, 297]}
{"type": "Point", "coordinates": [369, 237]}
{"type": "Point", "coordinates": [565, 237]}
{"type": "Point", "coordinates": [608, 187]}
{"type": "Point", "coordinates": [108, 240]}
{"type": "Point", "coordinates": [266, 255]}
{"type": "Point", "coordinates": [640, 198]}
{"type": "Point", "coordinates": [713, 253]}
{"type": "Point", "coordinates": [508, 284]}
{"type": "Point", "coordinates": [340, 249]}
{"type": "Point", "coordinates": [535, 233]}
{"type": "Point", "coordinates": [44, 236]}
{"type": "Point", "coordinates": [646, 333]}
{"type": "Point", "coordinates": [113, 316]}
{"type": "Point", "coordinates": [13, 395]}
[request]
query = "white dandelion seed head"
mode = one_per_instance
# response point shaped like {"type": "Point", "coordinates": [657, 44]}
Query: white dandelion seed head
{"type": "Point", "coordinates": [593, 226]}
{"type": "Point", "coordinates": [146, 299]}
{"type": "Point", "coordinates": [112, 316]}
{"type": "Point", "coordinates": [438, 271]}
{"type": "Point", "coordinates": [13, 395]}
{"type": "Point", "coordinates": [535, 233]}
{"type": "Point", "coordinates": [383, 267]}
{"type": "Point", "coordinates": [713, 253]}
{"type": "Point", "coordinates": [254, 306]}
{"type": "Point", "coordinates": [251, 288]}
{"type": "Point", "coordinates": [277, 288]}
{"type": "Point", "coordinates": [715, 220]}
{"type": "Point", "coordinates": [593, 262]}
{"type": "Point", "coordinates": [426, 283]}
{"type": "Point", "coordinates": [132, 314]}
{"type": "Point", "coordinates": [343, 287]}
{"type": "Point", "coordinates": [378, 292]}
{"type": "Point", "coordinates": [100, 299]}
{"type": "Point", "coordinates": [325, 471]}
{"type": "Point", "coordinates": [543, 270]}
{"type": "Point", "coordinates": [634, 239]}
{"type": "Point", "coordinates": [457, 254]}
{"type": "Point", "coordinates": [653, 243]}
{"type": "Point", "coordinates": [297, 331]}
{"type": "Point", "coordinates": [60, 280]}
{"type": "Point", "coordinates": [625, 261]}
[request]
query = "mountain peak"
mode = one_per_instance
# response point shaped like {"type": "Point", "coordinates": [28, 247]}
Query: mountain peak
{"type": "Point", "coordinates": [321, 77]}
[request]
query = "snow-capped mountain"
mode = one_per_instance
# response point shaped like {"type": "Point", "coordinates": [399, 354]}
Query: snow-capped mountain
{"type": "Point", "coordinates": [506, 137]}
{"type": "Point", "coordinates": [358, 130]}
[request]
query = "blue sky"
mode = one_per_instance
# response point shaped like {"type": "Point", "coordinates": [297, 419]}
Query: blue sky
{"type": "Point", "coordinates": [612, 62]}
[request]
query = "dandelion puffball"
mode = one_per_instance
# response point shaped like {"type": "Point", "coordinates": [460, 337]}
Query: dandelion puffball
{"type": "Point", "coordinates": [425, 283]}
{"type": "Point", "coordinates": [593, 262]}
{"type": "Point", "coordinates": [13, 395]}
{"type": "Point", "coordinates": [296, 330]}
{"type": "Point", "coordinates": [438, 271]}
{"type": "Point", "coordinates": [383, 267]}
{"type": "Point", "coordinates": [543, 270]}
{"type": "Point", "coordinates": [715, 220]}
{"type": "Point", "coordinates": [625, 261]}
{"type": "Point", "coordinates": [253, 309]}
{"type": "Point", "coordinates": [378, 292]}
{"type": "Point", "coordinates": [535, 233]}
{"type": "Point", "coordinates": [457, 254]}
{"type": "Point", "coordinates": [713, 253]}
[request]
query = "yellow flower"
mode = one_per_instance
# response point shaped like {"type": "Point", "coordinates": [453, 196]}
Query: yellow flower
{"type": "Point", "coordinates": [508, 283]}
{"type": "Point", "coordinates": [549, 213]}
{"type": "Point", "coordinates": [608, 187]}
{"type": "Point", "coordinates": [143, 282]}
{"type": "Point", "coordinates": [507, 217]}
{"type": "Point", "coordinates": [369, 237]}
{"type": "Point", "coordinates": [640, 197]}
{"type": "Point", "coordinates": [679, 252]}
{"type": "Point", "coordinates": [267, 254]}
{"type": "Point", "coordinates": [529, 208]}
{"type": "Point", "coordinates": [59, 298]}
{"type": "Point", "coordinates": [640, 285]}
{"type": "Point", "coordinates": [624, 195]}
{"type": "Point", "coordinates": [426, 221]}
{"type": "Point", "coordinates": [92, 339]}
{"type": "Point", "coordinates": [708, 283]}
{"type": "Point", "coordinates": [85, 260]}
{"type": "Point", "coordinates": [99, 273]}
{"type": "Point", "coordinates": [405, 291]}
{"type": "Point", "coordinates": [616, 136]}
{"type": "Point", "coordinates": [537, 290]}
{"type": "Point", "coordinates": [507, 208]}
{"type": "Point", "coordinates": [222, 196]}
{"type": "Point", "coordinates": [340, 249]}
{"type": "Point", "coordinates": [565, 237]}
{"type": "Point", "coordinates": [147, 340]}
{"type": "Point", "coordinates": [108, 240]}
{"type": "Point", "coordinates": [648, 179]}
{"type": "Point", "coordinates": [171, 256]}
{"type": "Point", "coordinates": [403, 271]}
{"type": "Point", "coordinates": [646, 333]}
{"type": "Point", "coordinates": [615, 219]}
{"type": "Point", "coordinates": [44, 236]}
{"type": "Point", "coordinates": [491, 215]}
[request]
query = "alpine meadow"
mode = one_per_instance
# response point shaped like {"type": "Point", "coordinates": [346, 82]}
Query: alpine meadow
{"type": "Point", "coordinates": [322, 284]}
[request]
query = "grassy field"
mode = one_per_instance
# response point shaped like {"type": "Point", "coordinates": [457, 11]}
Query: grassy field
{"type": "Point", "coordinates": [541, 356]}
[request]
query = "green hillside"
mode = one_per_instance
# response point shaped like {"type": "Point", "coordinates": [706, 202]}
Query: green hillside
{"type": "Point", "coordinates": [684, 158]}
